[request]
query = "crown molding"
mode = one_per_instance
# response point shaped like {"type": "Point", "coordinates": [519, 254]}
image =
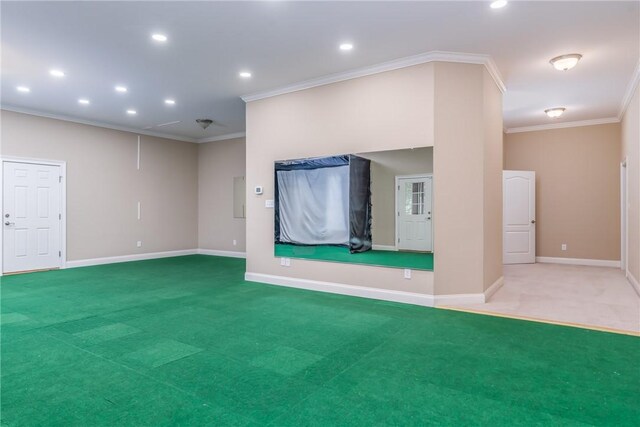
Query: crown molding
{"type": "Point", "coordinates": [434, 56]}
{"type": "Point", "coordinates": [222, 137]}
{"type": "Point", "coordinates": [631, 88]}
{"type": "Point", "coordinates": [563, 125]}
{"type": "Point", "coordinates": [97, 124]}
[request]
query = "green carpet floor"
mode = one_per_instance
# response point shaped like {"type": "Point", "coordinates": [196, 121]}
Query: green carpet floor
{"type": "Point", "coordinates": [186, 342]}
{"type": "Point", "coordinates": [414, 260]}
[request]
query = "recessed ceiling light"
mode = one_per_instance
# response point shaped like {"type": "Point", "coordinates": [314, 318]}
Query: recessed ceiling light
{"type": "Point", "coordinates": [84, 101]}
{"type": "Point", "coordinates": [565, 62]}
{"type": "Point", "coordinates": [554, 112]}
{"type": "Point", "coordinates": [498, 4]}
{"type": "Point", "coordinates": [121, 89]}
{"type": "Point", "coordinates": [346, 46]}
{"type": "Point", "coordinates": [169, 101]}
{"type": "Point", "coordinates": [132, 112]}
{"type": "Point", "coordinates": [159, 37]}
{"type": "Point", "coordinates": [244, 74]}
{"type": "Point", "coordinates": [56, 73]}
{"type": "Point", "coordinates": [23, 89]}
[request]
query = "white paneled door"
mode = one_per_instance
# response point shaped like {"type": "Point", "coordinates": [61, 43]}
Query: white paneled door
{"type": "Point", "coordinates": [414, 226]}
{"type": "Point", "coordinates": [31, 217]}
{"type": "Point", "coordinates": [519, 223]}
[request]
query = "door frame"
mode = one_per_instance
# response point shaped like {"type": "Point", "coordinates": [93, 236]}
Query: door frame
{"type": "Point", "coordinates": [395, 217]}
{"type": "Point", "coordinates": [624, 216]}
{"type": "Point", "coordinates": [63, 201]}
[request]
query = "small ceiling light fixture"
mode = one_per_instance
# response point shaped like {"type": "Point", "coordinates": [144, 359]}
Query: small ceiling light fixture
{"type": "Point", "coordinates": [169, 101]}
{"type": "Point", "coordinates": [245, 74]}
{"type": "Point", "coordinates": [554, 113]}
{"type": "Point", "coordinates": [346, 47]}
{"type": "Point", "coordinates": [498, 4]}
{"type": "Point", "coordinates": [23, 89]}
{"type": "Point", "coordinates": [121, 89]}
{"type": "Point", "coordinates": [159, 37]}
{"type": "Point", "coordinates": [132, 112]}
{"type": "Point", "coordinates": [56, 73]}
{"type": "Point", "coordinates": [565, 62]}
{"type": "Point", "coordinates": [204, 123]}
{"type": "Point", "coordinates": [84, 101]}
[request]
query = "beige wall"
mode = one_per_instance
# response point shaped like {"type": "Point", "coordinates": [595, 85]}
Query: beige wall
{"type": "Point", "coordinates": [385, 111]}
{"type": "Point", "coordinates": [577, 188]}
{"type": "Point", "coordinates": [218, 163]}
{"type": "Point", "coordinates": [385, 166]}
{"type": "Point", "coordinates": [467, 191]}
{"type": "Point", "coordinates": [104, 186]}
{"type": "Point", "coordinates": [493, 159]}
{"type": "Point", "coordinates": [631, 150]}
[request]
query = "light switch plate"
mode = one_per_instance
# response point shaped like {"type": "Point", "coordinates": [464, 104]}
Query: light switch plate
{"type": "Point", "coordinates": [564, 246]}
{"type": "Point", "coordinates": [407, 273]}
{"type": "Point", "coordinates": [139, 243]}
{"type": "Point", "coordinates": [269, 203]}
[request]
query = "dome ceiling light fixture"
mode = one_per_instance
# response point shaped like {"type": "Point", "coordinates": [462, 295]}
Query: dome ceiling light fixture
{"type": "Point", "coordinates": [565, 62]}
{"type": "Point", "coordinates": [554, 113]}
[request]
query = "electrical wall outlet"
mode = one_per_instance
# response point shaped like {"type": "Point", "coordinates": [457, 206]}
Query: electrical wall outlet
{"type": "Point", "coordinates": [139, 243]}
{"type": "Point", "coordinates": [235, 242]}
{"type": "Point", "coordinates": [564, 246]}
{"type": "Point", "coordinates": [269, 203]}
{"type": "Point", "coordinates": [285, 262]}
{"type": "Point", "coordinates": [407, 273]}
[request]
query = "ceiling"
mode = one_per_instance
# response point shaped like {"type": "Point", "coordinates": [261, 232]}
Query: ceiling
{"type": "Point", "coordinates": [101, 44]}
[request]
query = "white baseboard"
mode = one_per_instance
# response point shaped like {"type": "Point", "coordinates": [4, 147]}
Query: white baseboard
{"type": "Point", "coordinates": [634, 282]}
{"type": "Point", "coordinates": [215, 252]}
{"type": "Point", "coordinates": [342, 289]}
{"type": "Point", "coordinates": [384, 248]}
{"type": "Point", "coordinates": [579, 261]}
{"type": "Point", "coordinates": [493, 288]}
{"type": "Point", "coordinates": [426, 300]}
{"type": "Point", "coordinates": [126, 258]}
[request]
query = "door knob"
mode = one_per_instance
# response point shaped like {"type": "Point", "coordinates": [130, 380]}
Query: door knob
{"type": "Point", "coordinates": [8, 223]}
{"type": "Point", "coordinates": [533, 221]}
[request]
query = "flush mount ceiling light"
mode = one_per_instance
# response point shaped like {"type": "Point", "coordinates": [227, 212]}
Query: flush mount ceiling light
{"type": "Point", "coordinates": [56, 73]}
{"type": "Point", "coordinates": [84, 101]}
{"type": "Point", "coordinates": [345, 47]}
{"type": "Point", "coordinates": [23, 89]}
{"type": "Point", "coordinates": [121, 89]}
{"type": "Point", "coordinates": [554, 112]}
{"type": "Point", "coordinates": [244, 74]}
{"type": "Point", "coordinates": [565, 62]}
{"type": "Point", "coordinates": [498, 4]}
{"type": "Point", "coordinates": [169, 101]}
{"type": "Point", "coordinates": [132, 112]}
{"type": "Point", "coordinates": [204, 123]}
{"type": "Point", "coordinates": [159, 37]}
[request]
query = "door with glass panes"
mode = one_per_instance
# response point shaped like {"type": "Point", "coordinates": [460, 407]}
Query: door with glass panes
{"type": "Point", "coordinates": [414, 228]}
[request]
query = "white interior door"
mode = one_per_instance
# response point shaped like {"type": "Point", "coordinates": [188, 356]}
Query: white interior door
{"type": "Point", "coordinates": [414, 226]}
{"type": "Point", "coordinates": [31, 217]}
{"type": "Point", "coordinates": [519, 223]}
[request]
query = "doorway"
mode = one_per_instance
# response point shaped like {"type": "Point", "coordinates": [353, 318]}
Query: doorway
{"type": "Point", "coordinates": [414, 225]}
{"type": "Point", "coordinates": [519, 223]}
{"type": "Point", "coordinates": [33, 215]}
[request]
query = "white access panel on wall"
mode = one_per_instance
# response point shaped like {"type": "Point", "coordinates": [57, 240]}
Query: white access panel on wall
{"type": "Point", "coordinates": [519, 224]}
{"type": "Point", "coordinates": [32, 216]}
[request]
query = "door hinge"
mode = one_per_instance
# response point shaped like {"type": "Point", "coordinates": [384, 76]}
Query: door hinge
{"type": "Point", "coordinates": [59, 254]}
{"type": "Point", "coordinates": [60, 216]}
{"type": "Point", "coordinates": [60, 179]}
{"type": "Point", "coordinates": [398, 240]}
